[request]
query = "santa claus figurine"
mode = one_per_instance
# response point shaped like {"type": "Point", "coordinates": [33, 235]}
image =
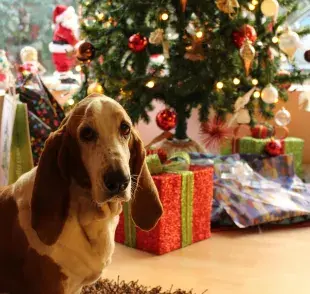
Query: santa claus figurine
{"type": "Point", "coordinates": [65, 41]}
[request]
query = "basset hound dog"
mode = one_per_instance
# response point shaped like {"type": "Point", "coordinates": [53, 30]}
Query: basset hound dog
{"type": "Point", "coordinates": [57, 222]}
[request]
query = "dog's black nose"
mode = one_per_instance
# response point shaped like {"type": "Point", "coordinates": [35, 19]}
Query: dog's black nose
{"type": "Point", "coordinates": [116, 181]}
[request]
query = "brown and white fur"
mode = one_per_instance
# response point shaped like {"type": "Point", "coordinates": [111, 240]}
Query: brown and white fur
{"type": "Point", "coordinates": [57, 222]}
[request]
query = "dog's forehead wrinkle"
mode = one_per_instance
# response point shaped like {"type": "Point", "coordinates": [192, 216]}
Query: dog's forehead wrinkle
{"type": "Point", "coordinates": [105, 113]}
{"type": "Point", "coordinates": [106, 110]}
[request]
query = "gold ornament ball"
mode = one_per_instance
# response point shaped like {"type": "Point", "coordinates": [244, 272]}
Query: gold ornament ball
{"type": "Point", "coordinates": [95, 88]}
{"type": "Point", "coordinates": [270, 7]}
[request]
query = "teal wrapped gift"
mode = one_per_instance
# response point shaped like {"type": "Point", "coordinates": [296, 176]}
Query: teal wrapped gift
{"type": "Point", "coordinates": [294, 146]}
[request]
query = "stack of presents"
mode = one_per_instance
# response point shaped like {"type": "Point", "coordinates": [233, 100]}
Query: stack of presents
{"type": "Point", "coordinates": [232, 191]}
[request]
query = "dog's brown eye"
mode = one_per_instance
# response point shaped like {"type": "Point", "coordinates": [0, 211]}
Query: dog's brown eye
{"type": "Point", "coordinates": [88, 134]}
{"type": "Point", "coordinates": [125, 129]}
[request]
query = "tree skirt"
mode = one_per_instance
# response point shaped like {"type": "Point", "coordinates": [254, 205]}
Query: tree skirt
{"type": "Point", "coordinates": [122, 287]}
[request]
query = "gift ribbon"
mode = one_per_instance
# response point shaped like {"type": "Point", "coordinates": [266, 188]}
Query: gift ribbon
{"type": "Point", "coordinates": [187, 207]}
{"type": "Point", "coordinates": [178, 163]}
{"type": "Point", "coordinates": [130, 228]}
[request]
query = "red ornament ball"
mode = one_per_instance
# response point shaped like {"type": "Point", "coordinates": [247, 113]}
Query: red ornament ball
{"type": "Point", "coordinates": [137, 43]}
{"type": "Point", "coordinates": [274, 148]}
{"type": "Point", "coordinates": [86, 52]}
{"type": "Point", "coordinates": [166, 119]}
{"type": "Point", "coordinates": [285, 86]}
{"type": "Point", "coordinates": [246, 31]}
{"type": "Point", "coordinates": [307, 55]}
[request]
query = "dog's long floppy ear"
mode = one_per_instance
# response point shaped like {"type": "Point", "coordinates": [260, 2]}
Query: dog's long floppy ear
{"type": "Point", "coordinates": [146, 207]}
{"type": "Point", "coordinates": [59, 162]}
{"type": "Point", "coordinates": [50, 197]}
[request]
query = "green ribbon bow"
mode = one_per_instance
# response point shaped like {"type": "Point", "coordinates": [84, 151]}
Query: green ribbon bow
{"type": "Point", "coordinates": [179, 161]}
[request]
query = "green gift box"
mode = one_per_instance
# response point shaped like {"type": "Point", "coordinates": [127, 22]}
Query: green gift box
{"type": "Point", "coordinates": [250, 145]}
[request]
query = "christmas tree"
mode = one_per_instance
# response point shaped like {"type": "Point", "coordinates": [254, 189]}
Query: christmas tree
{"type": "Point", "coordinates": [192, 54]}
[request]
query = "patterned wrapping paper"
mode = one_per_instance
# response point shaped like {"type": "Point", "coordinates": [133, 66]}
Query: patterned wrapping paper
{"type": "Point", "coordinates": [249, 145]}
{"type": "Point", "coordinates": [249, 206]}
{"type": "Point", "coordinates": [39, 133]}
{"type": "Point", "coordinates": [271, 167]}
{"type": "Point", "coordinates": [44, 112]}
{"type": "Point", "coordinates": [187, 202]}
{"type": "Point", "coordinates": [42, 103]}
{"type": "Point", "coordinates": [273, 194]}
{"type": "Point", "coordinates": [279, 169]}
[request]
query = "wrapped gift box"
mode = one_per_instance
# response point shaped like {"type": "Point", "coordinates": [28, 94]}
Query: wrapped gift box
{"type": "Point", "coordinates": [21, 160]}
{"type": "Point", "coordinates": [294, 146]}
{"type": "Point", "coordinates": [7, 116]}
{"type": "Point", "coordinates": [250, 145]}
{"type": "Point", "coordinates": [187, 202]}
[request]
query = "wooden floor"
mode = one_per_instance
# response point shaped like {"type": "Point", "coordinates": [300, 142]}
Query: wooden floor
{"type": "Point", "coordinates": [243, 262]}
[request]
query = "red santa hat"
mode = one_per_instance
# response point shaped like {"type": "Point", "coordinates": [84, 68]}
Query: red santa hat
{"type": "Point", "coordinates": [61, 12]}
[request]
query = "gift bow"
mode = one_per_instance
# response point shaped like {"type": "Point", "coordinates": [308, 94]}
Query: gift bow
{"type": "Point", "coordinates": [179, 161]}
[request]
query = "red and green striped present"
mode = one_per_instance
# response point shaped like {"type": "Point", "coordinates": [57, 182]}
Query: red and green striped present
{"type": "Point", "coordinates": [187, 201]}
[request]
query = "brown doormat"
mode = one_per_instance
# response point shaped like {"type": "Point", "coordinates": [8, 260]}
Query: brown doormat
{"type": "Point", "coordinates": [122, 287]}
